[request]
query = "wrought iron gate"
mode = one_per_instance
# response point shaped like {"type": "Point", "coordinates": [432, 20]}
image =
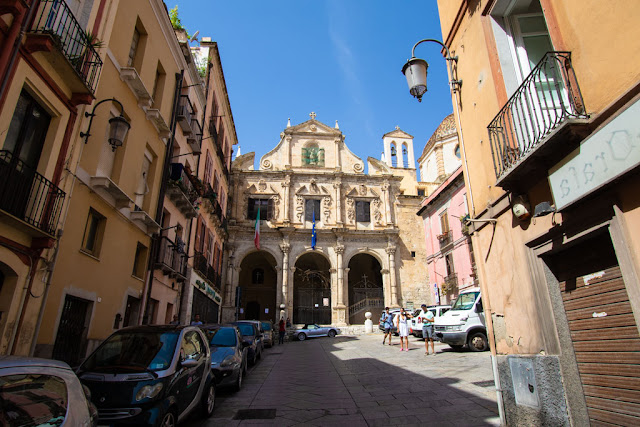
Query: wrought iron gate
{"type": "Point", "coordinates": [312, 297]}
{"type": "Point", "coordinates": [70, 345]}
{"type": "Point", "coordinates": [366, 296]}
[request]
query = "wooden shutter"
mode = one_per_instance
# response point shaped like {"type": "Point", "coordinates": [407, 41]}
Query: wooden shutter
{"type": "Point", "coordinates": [607, 345]}
{"type": "Point", "coordinates": [208, 166]}
{"type": "Point", "coordinates": [199, 227]}
{"type": "Point", "coordinates": [270, 213]}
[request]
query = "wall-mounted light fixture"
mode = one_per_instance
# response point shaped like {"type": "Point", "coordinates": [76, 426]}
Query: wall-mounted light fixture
{"type": "Point", "coordinates": [520, 207]}
{"type": "Point", "coordinates": [118, 126]}
{"type": "Point", "coordinates": [542, 209]}
{"type": "Point", "coordinates": [415, 70]}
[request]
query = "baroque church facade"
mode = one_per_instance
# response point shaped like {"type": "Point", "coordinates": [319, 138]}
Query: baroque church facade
{"type": "Point", "coordinates": [331, 247]}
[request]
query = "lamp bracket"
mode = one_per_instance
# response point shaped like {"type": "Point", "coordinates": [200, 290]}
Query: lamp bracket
{"type": "Point", "coordinates": [92, 114]}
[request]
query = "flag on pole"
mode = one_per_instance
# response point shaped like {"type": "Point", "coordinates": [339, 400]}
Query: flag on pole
{"type": "Point", "coordinates": [256, 236]}
{"type": "Point", "coordinates": [313, 231]}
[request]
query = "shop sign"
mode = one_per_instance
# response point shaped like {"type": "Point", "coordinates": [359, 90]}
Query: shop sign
{"type": "Point", "coordinates": [601, 158]}
{"type": "Point", "coordinates": [205, 288]}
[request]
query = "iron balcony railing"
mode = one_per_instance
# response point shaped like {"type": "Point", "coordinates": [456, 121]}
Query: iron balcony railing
{"type": "Point", "coordinates": [27, 195]}
{"type": "Point", "coordinates": [197, 131]}
{"type": "Point", "coordinates": [201, 265]}
{"type": "Point", "coordinates": [55, 18]}
{"type": "Point", "coordinates": [171, 256]}
{"type": "Point", "coordinates": [179, 177]}
{"type": "Point", "coordinates": [547, 97]}
{"type": "Point", "coordinates": [185, 113]}
{"type": "Point", "coordinates": [445, 238]}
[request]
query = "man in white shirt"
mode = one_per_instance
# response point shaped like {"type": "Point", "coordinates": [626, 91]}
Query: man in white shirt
{"type": "Point", "coordinates": [428, 319]}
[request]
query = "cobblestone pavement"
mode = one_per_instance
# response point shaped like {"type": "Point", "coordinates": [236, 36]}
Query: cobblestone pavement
{"type": "Point", "coordinates": [356, 381]}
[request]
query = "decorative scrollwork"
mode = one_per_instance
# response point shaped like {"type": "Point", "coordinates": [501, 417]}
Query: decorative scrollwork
{"type": "Point", "coordinates": [326, 205]}
{"type": "Point", "coordinates": [266, 164]}
{"type": "Point", "coordinates": [358, 167]}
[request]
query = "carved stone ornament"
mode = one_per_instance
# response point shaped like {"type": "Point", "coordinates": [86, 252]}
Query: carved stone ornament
{"type": "Point", "coordinates": [287, 181]}
{"type": "Point", "coordinates": [276, 207]}
{"type": "Point", "coordinates": [299, 208]}
{"type": "Point", "coordinates": [285, 248]}
{"type": "Point", "coordinates": [339, 249]}
{"type": "Point", "coordinates": [390, 250]}
{"type": "Point", "coordinates": [262, 185]}
{"type": "Point", "coordinates": [266, 164]}
{"type": "Point", "coordinates": [358, 167]}
{"type": "Point", "coordinates": [362, 190]}
{"type": "Point", "coordinates": [326, 206]}
{"type": "Point", "coordinates": [351, 210]}
{"type": "Point", "coordinates": [244, 206]}
{"type": "Point", "coordinates": [377, 215]}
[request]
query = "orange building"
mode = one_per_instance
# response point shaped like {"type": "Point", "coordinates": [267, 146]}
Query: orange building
{"type": "Point", "coordinates": [549, 119]}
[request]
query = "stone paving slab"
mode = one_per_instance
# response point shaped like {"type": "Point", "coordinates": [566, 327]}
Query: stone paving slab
{"type": "Point", "coordinates": [356, 381]}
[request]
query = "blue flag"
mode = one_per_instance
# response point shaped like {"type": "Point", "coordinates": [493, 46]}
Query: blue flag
{"type": "Point", "coordinates": [313, 231]}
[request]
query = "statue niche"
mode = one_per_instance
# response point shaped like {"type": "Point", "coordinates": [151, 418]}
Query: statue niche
{"type": "Point", "coordinates": [312, 155]}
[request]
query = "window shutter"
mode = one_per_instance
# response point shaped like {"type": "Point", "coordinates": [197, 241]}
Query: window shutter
{"type": "Point", "coordinates": [270, 211]}
{"type": "Point", "coordinates": [367, 212]}
{"type": "Point", "coordinates": [251, 214]}
{"type": "Point", "coordinates": [198, 242]}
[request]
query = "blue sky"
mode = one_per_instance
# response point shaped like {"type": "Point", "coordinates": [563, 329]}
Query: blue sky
{"type": "Point", "coordinates": [341, 59]}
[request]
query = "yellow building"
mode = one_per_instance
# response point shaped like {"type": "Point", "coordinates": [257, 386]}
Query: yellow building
{"type": "Point", "coordinates": [47, 79]}
{"type": "Point", "coordinates": [549, 118]}
{"type": "Point", "coordinates": [101, 273]}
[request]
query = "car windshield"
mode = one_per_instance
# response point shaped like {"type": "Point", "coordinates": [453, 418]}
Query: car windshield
{"type": "Point", "coordinates": [223, 337]}
{"type": "Point", "coordinates": [245, 329]}
{"type": "Point", "coordinates": [134, 351]}
{"type": "Point", "coordinates": [266, 326]}
{"type": "Point", "coordinates": [465, 301]}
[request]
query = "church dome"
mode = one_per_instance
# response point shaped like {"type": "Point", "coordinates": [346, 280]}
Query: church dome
{"type": "Point", "coordinates": [446, 129]}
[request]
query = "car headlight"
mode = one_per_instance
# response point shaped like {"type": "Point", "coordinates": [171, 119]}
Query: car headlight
{"type": "Point", "coordinates": [228, 361]}
{"type": "Point", "coordinates": [456, 328]}
{"type": "Point", "coordinates": [148, 392]}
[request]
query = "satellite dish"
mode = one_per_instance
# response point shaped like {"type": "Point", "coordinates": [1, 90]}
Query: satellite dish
{"type": "Point", "coordinates": [194, 37]}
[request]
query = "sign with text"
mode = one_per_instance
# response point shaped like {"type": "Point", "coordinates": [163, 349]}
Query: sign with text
{"type": "Point", "coordinates": [604, 156]}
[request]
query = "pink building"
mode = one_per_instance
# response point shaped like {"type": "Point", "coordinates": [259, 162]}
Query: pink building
{"type": "Point", "coordinates": [450, 263]}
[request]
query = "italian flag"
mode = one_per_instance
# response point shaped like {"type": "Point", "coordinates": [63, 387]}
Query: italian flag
{"type": "Point", "coordinates": [256, 236]}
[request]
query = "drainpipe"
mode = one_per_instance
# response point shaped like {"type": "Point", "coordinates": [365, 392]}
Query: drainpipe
{"type": "Point", "coordinates": [16, 33]}
{"type": "Point", "coordinates": [143, 317]}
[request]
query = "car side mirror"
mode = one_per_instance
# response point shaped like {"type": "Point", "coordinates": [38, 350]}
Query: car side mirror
{"type": "Point", "coordinates": [189, 363]}
{"type": "Point", "coordinates": [479, 308]}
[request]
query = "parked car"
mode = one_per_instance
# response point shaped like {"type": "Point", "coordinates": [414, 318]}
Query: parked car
{"type": "Point", "coordinates": [40, 392]}
{"type": "Point", "coordinates": [416, 322]}
{"type": "Point", "coordinates": [313, 330]}
{"type": "Point", "coordinates": [150, 375]}
{"type": "Point", "coordinates": [228, 354]}
{"type": "Point", "coordinates": [268, 334]}
{"type": "Point", "coordinates": [260, 335]}
{"type": "Point", "coordinates": [464, 323]}
{"type": "Point", "coordinates": [250, 335]}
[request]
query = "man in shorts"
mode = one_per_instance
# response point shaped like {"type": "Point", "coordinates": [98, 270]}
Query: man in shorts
{"type": "Point", "coordinates": [387, 319]}
{"type": "Point", "coordinates": [428, 320]}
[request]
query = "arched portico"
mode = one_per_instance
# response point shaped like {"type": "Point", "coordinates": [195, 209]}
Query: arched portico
{"type": "Point", "coordinates": [312, 289]}
{"type": "Point", "coordinates": [257, 286]}
{"type": "Point", "coordinates": [365, 287]}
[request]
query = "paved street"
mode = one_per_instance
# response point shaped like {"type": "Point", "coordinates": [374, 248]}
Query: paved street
{"type": "Point", "coordinates": [355, 380]}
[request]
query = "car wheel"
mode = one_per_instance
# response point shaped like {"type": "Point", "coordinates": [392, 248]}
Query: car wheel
{"type": "Point", "coordinates": [332, 333]}
{"type": "Point", "coordinates": [302, 336]}
{"type": "Point", "coordinates": [238, 384]}
{"type": "Point", "coordinates": [169, 419]}
{"type": "Point", "coordinates": [208, 400]}
{"type": "Point", "coordinates": [478, 342]}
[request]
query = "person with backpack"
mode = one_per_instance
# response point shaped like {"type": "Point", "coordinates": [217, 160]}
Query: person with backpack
{"type": "Point", "coordinates": [387, 321]}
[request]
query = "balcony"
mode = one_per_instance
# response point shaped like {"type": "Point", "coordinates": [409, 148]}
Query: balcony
{"type": "Point", "coordinates": [185, 114]}
{"type": "Point", "coordinates": [543, 121]}
{"type": "Point", "coordinates": [181, 191]}
{"type": "Point", "coordinates": [195, 138]}
{"type": "Point", "coordinates": [29, 196]}
{"type": "Point", "coordinates": [217, 142]}
{"type": "Point", "coordinates": [202, 266]}
{"type": "Point", "coordinates": [55, 25]}
{"type": "Point", "coordinates": [130, 76]}
{"type": "Point", "coordinates": [171, 259]}
{"type": "Point", "coordinates": [445, 239]}
{"type": "Point", "coordinates": [141, 217]}
{"type": "Point", "coordinates": [450, 284]}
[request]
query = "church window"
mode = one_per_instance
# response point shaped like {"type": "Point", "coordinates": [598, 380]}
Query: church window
{"type": "Point", "coordinates": [311, 206]}
{"type": "Point", "coordinates": [363, 212]}
{"type": "Point", "coordinates": [264, 205]}
{"type": "Point", "coordinates": [257, 276]}
{"type": "Point", "coordinates": [312, 155]}
{"type": "Point", "coordinates": [420, 192]}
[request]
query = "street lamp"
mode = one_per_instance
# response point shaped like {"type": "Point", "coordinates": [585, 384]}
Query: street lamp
{"type": "Point", "coordinates": [415, 70]}
{"type": "Point", "coordinates": [118, 126]}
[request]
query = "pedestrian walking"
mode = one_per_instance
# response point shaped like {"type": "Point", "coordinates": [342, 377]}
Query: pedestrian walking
{"type": "Point", "coordinates": [282, 330]}
{"type": "Point", "coordinates": [288, 322]}
{"type": "Point", "coordinates": [196, 320]}
{"type": "Point", "coordinates": [428, 320]}
{"type": "Point", "coordinates": [387, 324]}
{"type": "Point", "coordinates": [403, 329]}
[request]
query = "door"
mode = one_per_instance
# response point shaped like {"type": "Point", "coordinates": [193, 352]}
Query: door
{"type": "Point", "coordinates": [606, 343]}
{"type": "Point", "coordinates": [70, 344]}
{"type": "Point", "coordinates": [190, 379]}
{"type": "Point", "coordinates": [132, 311]}
{"type": "Point", "coordinates": [20, 156]}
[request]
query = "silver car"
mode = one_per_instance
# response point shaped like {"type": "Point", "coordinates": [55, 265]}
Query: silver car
{"type": "Point", "coordinates": [312, 330]}
{"type": "Point", "coordinates": [37, 391]}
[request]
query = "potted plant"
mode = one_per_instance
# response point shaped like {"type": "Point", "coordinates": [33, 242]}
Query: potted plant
{"type": "Point", "coordinates": [89, 43]}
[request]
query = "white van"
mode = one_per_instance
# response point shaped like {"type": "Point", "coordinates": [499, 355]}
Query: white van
{"type": "Point", "coordinates": [415, 328]}
{"type": "Point", "coordinates": [464, 323]}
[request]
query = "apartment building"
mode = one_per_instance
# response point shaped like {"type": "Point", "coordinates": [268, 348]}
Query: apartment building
{"type": "Point", "coordinates": [549, 118]}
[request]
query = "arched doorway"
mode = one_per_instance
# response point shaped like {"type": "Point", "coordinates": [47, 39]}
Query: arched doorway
{"type": "Point", "coordinates": [312, 290]}
{"type": "Point", "coordinates": [365, 288]}
{"type": "Point", "coordinates": [258, 287]}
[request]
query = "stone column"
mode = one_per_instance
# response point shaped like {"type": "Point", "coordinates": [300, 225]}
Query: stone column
{"type": "Point", "coordinates": [340, 285]}
{"type": "Point", "coordinates": [338, 185]}
{"type": "Point", "coordinates": [285, 247]}
{"type": "Point", "coordinates": [288, 294]}
{"type": "Point", "coordinates": [229, 309]}
{"type": "Point", "coordinates": [439, 161]}
{"type": "Point", "coordinates": [387, 203]}
{"type": "Point", "coordinates": [338, 159]}
{"type": "Point", "coordinates": [391, 251]}
{"type": "Point", "coordinates": [286, 185]}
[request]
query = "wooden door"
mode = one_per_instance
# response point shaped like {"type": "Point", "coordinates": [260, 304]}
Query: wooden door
{"type": "Point", "coordinates": [607, 345]}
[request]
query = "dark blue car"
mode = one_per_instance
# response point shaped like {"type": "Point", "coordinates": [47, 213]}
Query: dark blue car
{"type": "Point", "coordinates": [150, 375]}
{"type": "Point", "coordinates": [228, 354]}
{"type": "Point", "coordinates": [251, 335]}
